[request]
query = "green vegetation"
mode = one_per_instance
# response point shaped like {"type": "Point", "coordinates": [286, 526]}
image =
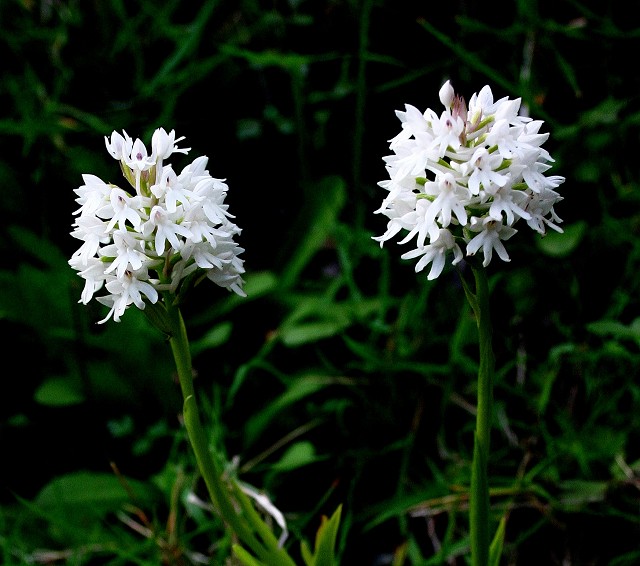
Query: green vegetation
{"type": "Point", "coordinates": [344, 385]}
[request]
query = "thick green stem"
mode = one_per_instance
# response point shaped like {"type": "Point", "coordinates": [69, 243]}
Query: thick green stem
{"type": "Point", "coordinates": [479, 499]}
{"type": "Point", "coordinates": [209, 468]}
{"type": "Point", "coordinates": [232, 504]}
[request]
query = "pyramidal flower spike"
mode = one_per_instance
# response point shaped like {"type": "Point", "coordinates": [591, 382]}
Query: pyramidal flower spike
{"type": "Point", "coordinates": [460, 181]}
{"type": "Point", "coordinates": [159, 232]}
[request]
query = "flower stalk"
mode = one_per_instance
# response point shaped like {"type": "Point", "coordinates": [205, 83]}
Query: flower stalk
{"type": "Point", "coordinates": [233, 505]}
{"type": "Point", "coordinates": [479, 504]}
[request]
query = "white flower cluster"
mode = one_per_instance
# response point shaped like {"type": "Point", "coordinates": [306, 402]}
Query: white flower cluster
{"type": "Point", "coordinates": [163, 230]}
{"type": "Point", "coordinates": [461, 180]}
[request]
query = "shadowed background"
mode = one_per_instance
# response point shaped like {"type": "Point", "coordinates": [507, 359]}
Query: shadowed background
{"type": "Point", "coordinates": [344, 377]}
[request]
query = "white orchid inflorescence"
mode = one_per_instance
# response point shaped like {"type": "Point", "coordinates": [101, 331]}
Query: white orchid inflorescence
{"type": "Point", "coordinates": [459, 181]}
{"type": "Point", "coordinates": [166, 231]}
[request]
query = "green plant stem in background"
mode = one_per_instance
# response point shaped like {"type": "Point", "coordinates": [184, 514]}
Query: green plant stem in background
{"type": "Point", "coordinates": [234, 506]}
{"type": "Point", "coordinates": [479, 497]}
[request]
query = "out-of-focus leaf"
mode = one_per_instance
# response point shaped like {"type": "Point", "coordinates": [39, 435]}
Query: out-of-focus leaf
{"type": "Point", "coordinates": [616, 329]}
{"type": "Point", "coordinates": [605, 113]}
{"type": "Point", "coordinates": [215, 337]}
{"type": "Point", "coordinates": [318, 318]}
{"type": "Point", "coordinates": [312, 331]}
{"type": "Point", "coordinates": [495, 550]}
{"type": "Point", "coordinates": [329, 198]}
{"type": "Point", "coordinates": [297, 455]}
{"type": "Point", "coordinates": [256, 285]}
{"type": "Point", "coordinates": [58, 392]}
{"type": "Point", "coordinates": [299, 389]}
{"type": "Point", "coordinates": [99, 492]}
{"type": "Point", "coordinates": [291, 61]}
{"type": "Point", "coordinates": [577, 493]}
{"type": "Point", "coordinates": [38, 248]}
{"type": "Point", "coordinates": [557, 244]}
{"type": "Point", "coordinates": [244, 557]}
{"type": "Point", "coordinates": [76, 504]}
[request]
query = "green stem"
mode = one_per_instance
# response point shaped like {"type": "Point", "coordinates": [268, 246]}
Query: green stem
{"type": "Point", "coordinates": [479, 497]}
{"type": "Point", "coordinates": [228, 499]}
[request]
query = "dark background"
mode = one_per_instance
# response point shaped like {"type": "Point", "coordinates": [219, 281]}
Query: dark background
{"type": "Point", "coordinates": [294, 104]}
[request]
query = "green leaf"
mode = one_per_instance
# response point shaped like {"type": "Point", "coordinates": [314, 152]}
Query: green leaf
{"type": "Point", "coordinates": [299, 389]}
{"type": "Point", "coordinates": [326, 539]}
{"type": "Point", "coordinates": [76, 505]}
{"type": "Point", "coordinates": [317, 318]}
{"type": "Point", "coordinates": [555, 244]}
{"type": "Point", "coordinates": [215, 337]}
{"type": "Point", "coordinates": [260, 283]}
{"type": "Point", "coordinates": [324, 553]}
{"type": "Point", "coordinates": [495, 550]}
{"type": "Point", "coordinates": [307, 555]}
{"type": "Point", "coordinates": [312, 332]}
{"type": "Point", "coordinates": [99, 492]}
{"type": "Point", "coordinates": [433, 496]}
{"type": "Point", "coordinates": [269, 58]}
{"type": "Point", "coordinates": [256, 285]}
{"type": "Point", "coordinates": [627, 559]}
{"type": "Point", "coordinates": [58, 392]}
{"type": "Point", "coordinates": [156, 314]}
{"type": "Point", "coordinates": [329, 198]}
{"type": "Point", "coordinates": [576, 494]}
{"type": "Point", "coordinates": [244, 557]}
{"type": "Point", "coordinates": [616, 329]}
{"type": "Point", "coordinates": [297, 455]}
{"type": "Point", "coordinates": [39, 297]}
{"type": "Point", "coordinates": [39, 248]}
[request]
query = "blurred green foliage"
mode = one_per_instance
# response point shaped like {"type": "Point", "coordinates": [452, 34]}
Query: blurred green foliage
{"type": "Point", "coordinates": [343, 378]}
